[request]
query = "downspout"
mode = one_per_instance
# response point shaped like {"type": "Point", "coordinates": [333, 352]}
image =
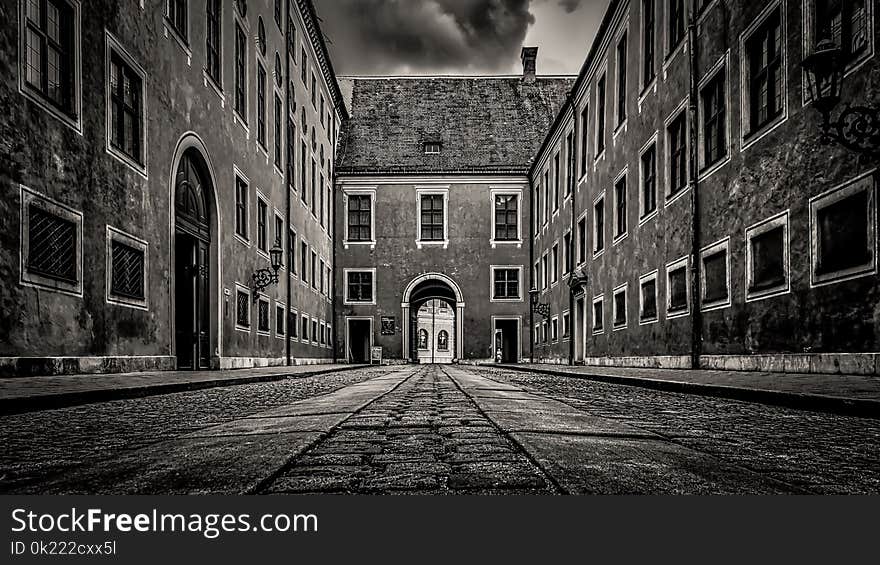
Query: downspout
{"type": "Point", "coordinates": [572, 182]}
{"type": "Point", "coordinates": [333, 271]}
{"type": "Point", "coordinates": [287, 180]}
{"type": "Point", "coordinates": [697, 315]}
{"type": "Point", "coordinates": [531, 267]}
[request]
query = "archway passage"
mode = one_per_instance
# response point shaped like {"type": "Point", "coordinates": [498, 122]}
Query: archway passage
{"type": "Point", "coordinates": [192, 272]}
{"type": "Point", "coordinates": [433, 309]}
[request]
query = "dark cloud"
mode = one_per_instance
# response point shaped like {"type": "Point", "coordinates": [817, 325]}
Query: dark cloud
{"type": "Point", "coordinates": [570, 5]}
{"type": "Point", "coordinates": [429, 36]}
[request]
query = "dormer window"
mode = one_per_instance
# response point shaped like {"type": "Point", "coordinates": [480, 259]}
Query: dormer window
{"type": "Point", "coordinates": [432, 147]}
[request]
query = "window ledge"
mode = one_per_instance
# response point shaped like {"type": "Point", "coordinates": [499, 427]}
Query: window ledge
{"type": "Point", "coordinates": [122, 157]}
{"type": "Point", "coordinates": [171, 31]}
{"type": "Point", "coordinates": [647, 218]}
{"type": "Point", "coordinates": [670, 199]}
{"type": "Point", "coordinates": [211, 84]}
{"type": "Point", "coordinates": [649, 321]}
{"type": "Point", "coordinates": [421, 244]}
{"type": "Point", "coordinates": [620, 238]}
{"type": "Point", "coordinates": [506, 242]}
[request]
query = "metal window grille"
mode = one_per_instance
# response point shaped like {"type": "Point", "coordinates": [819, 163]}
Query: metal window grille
{"type": "Point", "coordinates": [127, 274]}
{"type": "Point", "coordinates": [52, 245]}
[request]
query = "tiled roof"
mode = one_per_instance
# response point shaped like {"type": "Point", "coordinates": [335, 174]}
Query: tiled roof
{"type": "Point", "coordinates": [486, 124]}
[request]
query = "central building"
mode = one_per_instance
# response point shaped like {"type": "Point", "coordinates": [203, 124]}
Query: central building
{"type": "Point", "coordinates": [432, 199]}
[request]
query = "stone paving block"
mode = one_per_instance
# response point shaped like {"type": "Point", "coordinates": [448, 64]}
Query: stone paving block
{"type": "Point", "coordinates": [491, 474]}
{"type": "Point", "coordinates": [252, 426]}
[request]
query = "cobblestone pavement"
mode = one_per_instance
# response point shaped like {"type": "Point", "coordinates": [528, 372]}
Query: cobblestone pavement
{"type": "Point", "coordinates": [817, 452]}
{"type": "Point", "coordinates": [424, 437]}
{"type": "Point", "coordinates": [38, 445]}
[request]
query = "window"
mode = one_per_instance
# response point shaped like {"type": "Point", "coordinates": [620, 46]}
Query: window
{"type": "Point", "coordinates": [620, 219]}
{"type": "Point", "coordinates": [569, 163]}
{"type": "Point", "coordinates": [303, 159]}
{"type": "Point", "coordinates": [538, 203]}
{"type": "Point", "coordinates": [648, 299]}
{"type": "Point", "coordinates": [554, 329]}
{"type": "Point", "coordinates": [314, 270]}
{"type": "Point", "coordinates": [566, 253]}
{"type": "Point", "coordinates": [126, 109]}
{"type": "Point", "coordinates": [126, 271]}
{"type": "Point", "coordinates": [621, 80]}
{"type": "Point", "coordinates": [843, 232]}
{"type": "Point", "coordinates": [585, 134]}
{"type": "Point", "coordinates": [360, 217]}
{"type": "Point", "coordinates": [177, 15]}
{"type": "Point", "coordinates": [566, 325]}
{"type": "Point", "coordinates": [847, 23]}
{"type": "Point", "coordinates": [241, 208]}
{"type": "Point", "coordinates": [649, 181]}
{"type": "Point", "coordinates": [599, 225]}
{"type": "Point", "coordinates": [323, 279]}
{"type": "Point", "coordinates": [677, 299]}
{"type": "Point", "coordinates": [766, 89]}
{"type": "Point", "coordinates": [314, 331]}
{"type": "Point", "coordinates": [291, 251]}
{"type": "Point", "coordinates": [279, 117]}
{"type": "Point", "coordinates": [279, 232]}
{"type": "Point", "coordinates": [716, 275]}
{"type": "Point", "coordinates": [314, 91]}
{"type": "Point", "coordinates": [676, 23]}
{"type": "Point", "coordinates": [619, 306]}
{"type": "Point", "coordinates": [423, 339]}
{"type": "Point", "coordinates": [291, 158]}
{"type": "Point", "coordinates": [506, 283]}
{"type": "Point", "coordinates": [649, 25]}
{"type": "Point", "coordinates": [555, 275]}
{"type": "Point", "coordinates": [598, 315]}
{"type": "Point", "coordinates": [314, 181]}
{"type": "Point", "coordinates": [556, 181]}
{"type": "Point", "coordinates": [240, 73]}
{"type": "Point", "coordinates": [293, 324]}
{"type": "Point", "coordinates": [304, 259]}
{"type": "Point", "coordinates": [323, 334]}
{"type": "Point", "coordinates": [263, 325]}
{"type": "Point", "coordinates": [304, 66]}
{"type": "Point", "coordinates": [50, 36]}
{"type": "Point", "coordinates": [432, 147]}
{"type": "Point", "coordinates": [767, 258]}
{"type": "Point", "coordinates": [582, 241]}
{"type": "Point", "coordinates": [432, 218]}
{"type": "Point", "coordinates": [506, 217]}
{"type": "Point", "coordinates": [278, 11]}
{"type": "Point", "coordinates": [279, 320]}
{"type": "Point", "coordinates": [53, 245]}
{"type": "Point", "coordinates": [714, 110]}
{"type": "Point", "coordinates": [262, 225]}
{"type": "Point", "coordinates": [545, 270]}
{"type": "Point", "coordinates": [212, 40]}
{"type": "Point", "coordinates": [360, 287]}
{"type": "Point", "coordinates": [261, 105]}
{"type": "Point", "coordinates": [677, 133]}
{"type": "Point", "coordinates": [600, 117]}
{"type": "Point", "coordinates": [443, 341]}
{"type": "Point", "coordinates": [305, 328]}
{"type": "Point", "coordinates": [242, 309]}
{"type": "Point", "coordinates": [547, 206]}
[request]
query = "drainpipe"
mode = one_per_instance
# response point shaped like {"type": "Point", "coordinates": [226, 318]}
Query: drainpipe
{"type": "Point", "coordinates": [531, 266]}
{"type": "Point", "coordinates": [287, 180]}
{"type": "Point", "coordinates": [572, 183]}
{"type": "Point", "coordinates": [693, 117]}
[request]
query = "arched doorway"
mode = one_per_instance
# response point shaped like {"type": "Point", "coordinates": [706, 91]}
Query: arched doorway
{"type": "Point", "coordinates": [433, 314]}
{"type": "Point", "coordinates": [193, 271]}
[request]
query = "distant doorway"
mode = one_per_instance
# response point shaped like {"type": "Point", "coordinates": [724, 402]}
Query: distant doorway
{"type": "Point", "coordinates": [579, 330]}
{"type": "Point", "coordinates": [507, 339]}
{"type": "Point", "coordinates": [358, 340]}
{"type": "Point", "coordinates": [433, 315]}
{"type": "Point", "coordinates": [435, 333]}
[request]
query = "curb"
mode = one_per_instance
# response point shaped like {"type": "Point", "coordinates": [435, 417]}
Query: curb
{"type": "Point", "coordinates": [862, 408]}
{"type": "Point", "coordinates": [10, 406]}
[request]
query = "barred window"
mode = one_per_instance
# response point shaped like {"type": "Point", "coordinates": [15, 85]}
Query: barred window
{"type": "Point", "coordinates": [506, 284]}
{"type": "Point", "coordinates": [360, 218]}
{"type": "Point", "coordinates": [52, 245]}
{"type": "Point", "coordinates": [432, 218]}
{"type": "Point", "coordinates": [242, 309]}
{"type": "Point", "coordinates": [127, 271]}
{"type": "Point", "coordinates": [49, 52]}
{"type": "Point", "coordinates": [126, 108]}
{"type": "Point", "coordinates": [263, 316]}
{"type": "Point", "coordinates": [507, 217]}
{"type": "Point", "coordinates": [360, 286]}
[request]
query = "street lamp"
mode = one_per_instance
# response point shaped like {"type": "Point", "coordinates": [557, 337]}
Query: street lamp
{"type": "Point", "coordinates": [858, 127]}
{"type": "Point", "coordinates": [263, 278]}
{"type": "Point", "coordinates": [537, 306]}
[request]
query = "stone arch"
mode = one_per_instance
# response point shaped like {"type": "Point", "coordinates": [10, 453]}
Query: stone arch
{"type": "Point", "coordinates": [440, 280]}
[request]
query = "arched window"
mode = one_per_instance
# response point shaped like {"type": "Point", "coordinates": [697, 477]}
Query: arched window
{"type": "Point", "coordinates": [423, 339]}
{"type": "Point", "coordinates": [443, 341]}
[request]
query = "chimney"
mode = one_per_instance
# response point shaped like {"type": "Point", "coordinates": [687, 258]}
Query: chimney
{"type": "Point", "coordinates": [529, 60]}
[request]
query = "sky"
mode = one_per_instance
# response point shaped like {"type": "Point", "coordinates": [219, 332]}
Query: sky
{"type": "Point", "coordinates": [457, 37]}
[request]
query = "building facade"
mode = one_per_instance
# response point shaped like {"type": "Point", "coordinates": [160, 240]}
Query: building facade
{"type": "Point", "coordinates": [154, 155]}
{"type": "Point", "coordinates": [777, 268]}
{"type": "Point", "coordinates": [432, 181]}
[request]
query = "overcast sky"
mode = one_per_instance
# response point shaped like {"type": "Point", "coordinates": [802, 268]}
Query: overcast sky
{"type": "Point", "coordinates": [471, 37]}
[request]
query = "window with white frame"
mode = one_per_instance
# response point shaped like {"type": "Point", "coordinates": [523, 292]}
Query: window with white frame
{"type": "Point", "coordinates": [598, 315]}
{"type": "Point", "coordinates": [263, 323]}
{"type": "Point", "coordinates": [127, 269]}
{"type": "Point", "coordinates": [359, 217]}
{"type": "Point", "coordinates": [360, 286]}
{"type": "Point", "coordinates": [555, 256]}
{"type": "Point", "coordinates": [506, 283]}
{"type": "Point", "coordinates": [314, 332]}
{"type": "Point", "coordinates": [843, 226]}
{"type": "Point", "coordinates": [554, 329]}
{"type": "Point", "coordinates": [619, 307]}
{"type": "Point", "coordinates": [51, 244]}
{"type": "Point", "coordinates": [621, 79]}
{"type": "Point", "coordinates": [293, 324]}
{"type": "Point", "coordinates": [676, 24]}
{"type": "Point", "coordinates": [279, 320]}
{"type": "Point", "coordinates": [241, 55]}
{"type": "Point", "coordinates": [50, 39]}
{"type": "Point", "coordinates": [849, 24]}
{"type": "Point", "coordinates": [582, 241]}
{"type": "Point", "coordinates": [648, 311]}
{"type": "Point", "coordinates": [713, 111]}
{"type": "Point", "coordinates": [767, 258]}
{"type": "Point", "coordinates": [432, 217]}
{"type": "Point", "coordinates": [676, 136]}
{"type": "Point", "coordinates": [177, 14]}
{"type": "Point", "coordinates": [648, 199]}
{"type": "Point", "coordinates": [763, 48]}
{"type": "Point", "coordinates": [716, 275]}
{"type": "Point", "coordinates": [599, 226]}
{"type": "Point", "coordinates": [677, 289]}
{"type": "Point", "coordinates": [601, 103]}
{"type": "Point", "coordinates": [545, 272]}
{"type": "Point", "coordinates": [566, 325]}
{"type": "Point", "coordinates": [242, 309]}
{"type": "Point", "coordinates": [242, 196]}
{"type": "Point", "coordinates": [649, 38]}
{"type": "Point", "coordinates": [261, 105]}
{"type": "Point", "coordinates": [212, 40]}
{"type": "Point", "coordinates": [620, 212]}
{"type": "Point", "coordinates": [126, 137]}
{"type": "Point", "coordinates": [506, 217]}
{"type": "Point", "coordinates": [262, 225]}
{"type": "Point", "coordinates": [304, 328]}
{"type": "Point", "coordinates": [567, 266]}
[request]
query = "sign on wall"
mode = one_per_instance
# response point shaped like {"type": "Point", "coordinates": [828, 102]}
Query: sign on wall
{"type": "Point", "coordinates": [389, 325]}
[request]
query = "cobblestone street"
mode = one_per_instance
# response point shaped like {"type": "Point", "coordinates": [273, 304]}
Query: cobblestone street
{"type": "Point", "coordinates": [436, 430]}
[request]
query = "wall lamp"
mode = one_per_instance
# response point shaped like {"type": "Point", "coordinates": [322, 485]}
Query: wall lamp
{"type": "Point", "coordinates": [537, 306]}
{"type": "Point", "coordinates": [263, 278]}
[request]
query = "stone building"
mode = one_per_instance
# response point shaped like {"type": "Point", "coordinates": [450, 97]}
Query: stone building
{"type": "Point", "coordinates": [777, 269]}
{"type": "Point", "coordinates": [153, 154]}
{"type": "Point", "coordinates": [432, 177]}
